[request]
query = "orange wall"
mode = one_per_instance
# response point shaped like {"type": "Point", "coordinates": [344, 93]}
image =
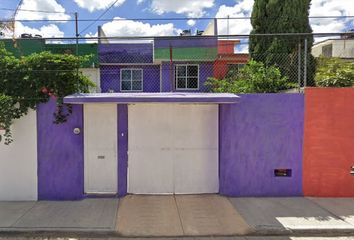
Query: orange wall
{"type": "Point", "coordinates": [227, 46]}
{"type": "Point", "coordinates": [328, 142]}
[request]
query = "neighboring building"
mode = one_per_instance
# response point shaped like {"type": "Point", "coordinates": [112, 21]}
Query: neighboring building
{"type": "Point", "coordinates": [342, 47]}
{"type": "Point", "coordinates": [227, 59]}
{"type": "Point", "coordinates": [26, 46]}
{"type": "Point", "coordinates": [162, 65]}
{"type": "Point", "coordinates": [89, 68]}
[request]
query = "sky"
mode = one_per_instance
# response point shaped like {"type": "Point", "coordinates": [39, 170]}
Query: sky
{"type": "Point", "coordinates": [147, 9]}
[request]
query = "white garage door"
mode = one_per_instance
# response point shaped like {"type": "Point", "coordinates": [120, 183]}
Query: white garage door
{"type": "Point", "coordinates": [173, 148]}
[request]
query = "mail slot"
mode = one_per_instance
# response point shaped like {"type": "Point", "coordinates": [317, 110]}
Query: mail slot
{"type": "Point", "coordinates": [352, 170]}
{"type": "Point", "coordinates": [282, 172]}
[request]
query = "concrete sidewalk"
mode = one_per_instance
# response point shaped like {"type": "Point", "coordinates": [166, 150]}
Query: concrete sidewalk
{"type": "Point", "coordinates": [181, 215]}
{"type": "Point", "coordinates": [89, 215]}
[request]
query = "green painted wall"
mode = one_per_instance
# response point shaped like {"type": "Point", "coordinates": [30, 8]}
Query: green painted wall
{"type": "Point", "coordinates": [24, 47]}
{"type": "Point", "coordinates": [84, 49]}
{"type": "Point", "coordinates": [191, 54]}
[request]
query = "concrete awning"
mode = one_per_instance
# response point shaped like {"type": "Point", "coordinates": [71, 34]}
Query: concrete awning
{"type": "Point", "coordinates": [175, 97]}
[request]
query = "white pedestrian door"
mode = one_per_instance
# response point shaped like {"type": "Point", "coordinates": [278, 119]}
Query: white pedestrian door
{"type": "Point", "coordinates": [100, 146]}
{"type": "Point", "coordinates": [173, 148]}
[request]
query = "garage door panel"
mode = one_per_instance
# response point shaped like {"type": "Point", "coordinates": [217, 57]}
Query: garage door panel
{"type": "Point", "coordinates": [196, 171]}
{"type": "Point", "coordinates": [195, 126]}
{"type": "Point", "coordinates": [150, 172]}
{"type": "Point", "coordinates": [148, 126]}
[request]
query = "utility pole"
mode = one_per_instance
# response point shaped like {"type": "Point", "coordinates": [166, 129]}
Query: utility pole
{"type": "Point", "coordinates": [77, 42]}
{"type": "Point", "coordinates": [77, 33]}
{"type": "Point", "coordinates": [305, 63]}
{"type": "Point", "coordinates": [228, 26]}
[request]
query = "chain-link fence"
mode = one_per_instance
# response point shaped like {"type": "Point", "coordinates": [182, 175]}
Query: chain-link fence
{"type": "Point", "coordinates": [186, 63]}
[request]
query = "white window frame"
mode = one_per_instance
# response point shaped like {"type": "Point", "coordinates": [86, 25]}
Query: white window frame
{"type": "Point", "coordinates": [176, 81]}
{"type": "Point", "coordinates": [131, 79]}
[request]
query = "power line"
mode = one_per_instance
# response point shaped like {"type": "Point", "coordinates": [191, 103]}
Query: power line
{"type": "Point", "coordinates": [158, 19]}
{"type": "Point", "coordinates": [32, 10]}
{"type": "Point", "coordinates": [88, 26]}
{"type": "Point", "coordinates": [220, 37]}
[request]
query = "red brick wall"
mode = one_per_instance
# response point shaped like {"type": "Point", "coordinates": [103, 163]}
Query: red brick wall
{"type": "Point", "coordinates": [328, 142]}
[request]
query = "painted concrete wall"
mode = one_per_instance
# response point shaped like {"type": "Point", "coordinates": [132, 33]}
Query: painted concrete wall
{"type": "Point", "coordinates": [185, 48]}
{"type": "Point", "coordinates": [261, 133]}
{"type": "Point", "coordinates": [126, 53]}
{"type": "Point", "coordinates": [110, 77]}
{"type": "Point", "coordinates": [60, 155]}
{"type": "Point", "coordinates": [122, 135]}
{"type": "Point", "coordinates": [18, 161]}
{"type": "Point", "coordinates": [340, 48]}
{"type": "Point", "coordinates": [94, 75]}
{"type": "Point", "coordinates": [206, 70]}
{"type": "Point", "coordinates": [329, 142]}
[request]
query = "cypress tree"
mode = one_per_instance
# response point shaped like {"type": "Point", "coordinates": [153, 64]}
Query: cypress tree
{"type": "Point", "coordinates": [282, 16]}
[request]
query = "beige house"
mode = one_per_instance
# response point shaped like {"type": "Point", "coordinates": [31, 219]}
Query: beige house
{"type": "Point", "coordinates": [342, 47]}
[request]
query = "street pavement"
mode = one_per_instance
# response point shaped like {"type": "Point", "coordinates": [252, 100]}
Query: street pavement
{"type": "Point", "coordinates": [185, 216]}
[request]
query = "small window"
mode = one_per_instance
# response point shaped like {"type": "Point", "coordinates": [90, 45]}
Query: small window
{"type": "Point", "coordinates": [187, 77]}
{"type": "Point", "coordinates": [131, 80]}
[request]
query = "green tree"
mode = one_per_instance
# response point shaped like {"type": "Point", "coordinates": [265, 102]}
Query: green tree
{"type": "Point", "coordinates": [334, 72]}
{"type": "Point", "coordinates": [281, 16]}
{"type": "Point", "coordinates": [255, 77]}
{"type": "Point", "coordinates": [30, 80]}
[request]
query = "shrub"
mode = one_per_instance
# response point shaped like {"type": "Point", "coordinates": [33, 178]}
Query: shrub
{"type": "Point", "coordinates": [255, 77]}
{"type": "Point", "coordinates": [33, 79]}
{"type": "Point", "coordinates": [334, 72]}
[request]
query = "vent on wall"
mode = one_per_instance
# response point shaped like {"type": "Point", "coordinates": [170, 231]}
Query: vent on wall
{"type": "Point", "coordinates": [282, 172]}
{"type": "Point", "coordinates": [352, 170]}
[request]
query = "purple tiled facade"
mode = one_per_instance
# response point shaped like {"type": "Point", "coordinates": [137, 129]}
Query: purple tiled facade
{"type": "Point", "coordinates": [125, 53]}
{"type": "Point", "coordinates": [261, 133]}
{"type": "Point", "coordinates": [110, 77]}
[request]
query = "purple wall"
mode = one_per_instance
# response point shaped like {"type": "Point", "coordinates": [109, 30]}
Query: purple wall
{"type": "Point", "coordinates": [206, 70]}
{"type": "Point", "coordinates": [186, 42]}
{"type": "Point", "coordinates": [125, 53]}
{"type": "Point", "coordinates": [259, 134]}
{"type": "Point", "coordinates": [110, 77]}
{"type": "Point", "coordinates": [60, 155]}
{"type": "Point", "coordinates": [122, 149]}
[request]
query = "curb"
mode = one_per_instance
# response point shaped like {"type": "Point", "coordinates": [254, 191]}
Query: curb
{"type": "Point", "coordinates": [114, 234]}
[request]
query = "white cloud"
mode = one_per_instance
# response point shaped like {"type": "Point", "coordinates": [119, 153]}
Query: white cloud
{"type": "Point", "coordinates": [131, 28]}
{"type": "Point", "coordinates": [46, 6]}
{"type": "Point", "coordinates": [191, 8]}
{"type": "Point", "coordinates": [243, 8]}
{"type": "Point", "coordinates": [191, 22]}
{"type": "Point", "coordinates": [331, 8]}
{"type": "Point", "coordinates": [235, 26]}
{"type": "Point", "coordinates": [140, 1]}
{"type": "Point", "coordinates": [50, 30]}
{"type": "Point", "coordinates": [93, 5]}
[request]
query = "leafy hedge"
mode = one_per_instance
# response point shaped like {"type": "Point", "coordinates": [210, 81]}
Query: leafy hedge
{"type": "Point", "coordinates": [334, 72]}
{"type": "Point", "coordinates": [30, 80]}
{"type": "Point", "coordinates": [255, 77]}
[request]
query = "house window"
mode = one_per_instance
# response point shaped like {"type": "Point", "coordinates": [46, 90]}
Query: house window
{"type": "Point", "coordinates": [187, 77]}
{"type": "Point", "coordinates": [235, 67]}
{"type": "Point", "coordinates": [131, 79]}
